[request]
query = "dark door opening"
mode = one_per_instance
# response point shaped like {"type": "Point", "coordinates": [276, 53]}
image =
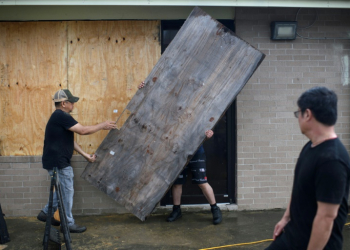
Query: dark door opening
{"type": "Point", "coordinates": [220, 149]}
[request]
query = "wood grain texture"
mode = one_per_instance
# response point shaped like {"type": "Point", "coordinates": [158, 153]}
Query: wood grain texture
{"type": "Point", "coordinates": [102, 62]}
{"type": "Point", "coordinates": [194, 82]}
{"type": "Point", "coordinates": [33, 66]}
{"type": "Point", "coordinates": [107, 61]}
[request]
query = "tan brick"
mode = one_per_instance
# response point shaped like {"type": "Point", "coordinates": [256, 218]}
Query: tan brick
{"type": "Point", "coordinates": [262, 201]}
{"type": "Point", "coordinates": [301, 57]}
{"type": "Point", "coordinates": [268, 172]}
{"type": "Point", "coordinates": [262, 156]}
{"type": "Point", "coordinates": [251, 184]}
{"type": "Point", "coordinates": [278, 200]}
{"type": "Point", "coordinates": [268, 195]}
{"type": "Point", "coordinates": [251, 196]}
{"type": "Point", "coordinates": [267, 160]}
{"type": "Point", "coordinates": [246, 202]}
{"type": "Point", "coordinates": [268, 184]}
{"type": "Point", "coordinates": [245, 190]}
{"type": "Point", "coordinates": [260, 178]}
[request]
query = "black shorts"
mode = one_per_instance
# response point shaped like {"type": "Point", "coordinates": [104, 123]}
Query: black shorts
{"type": "Point", "coordinates": [198, 168]}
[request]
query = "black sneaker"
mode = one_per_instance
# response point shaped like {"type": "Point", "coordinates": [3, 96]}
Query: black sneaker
{"type": "Point", "coordinates": [76, 229]}
{"type": "Point", "coordinates": [217, 217]}
{"type": "Point", "coordinates": [42, 217]}
{"type": "Point", "coordinates": [175, 214]}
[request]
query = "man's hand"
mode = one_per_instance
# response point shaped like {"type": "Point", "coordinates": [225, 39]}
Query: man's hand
{"type": "Point", "coordinates": [108, 125]}
{"type": "Point", "coordinates": [209, 133]}
{"type": "Point", "coordinates": [91, 158]}
{"type": "Point", "coordinates": [279, 227]}
{"type": "Point", "coordinates": [142, 84]}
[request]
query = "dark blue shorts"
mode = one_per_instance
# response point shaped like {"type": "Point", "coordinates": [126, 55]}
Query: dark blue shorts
{"type": "Point", "coordinates": [198, 169]}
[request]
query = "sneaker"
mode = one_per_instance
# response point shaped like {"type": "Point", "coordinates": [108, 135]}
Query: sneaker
{"type": "Point", "coordinates": [175, 214]}
{"type": "Point", "coordinates": [42, 217]}
{"type": "Point", "coordinates": [75, 229]}
{"type": "Point", "coordinates": [217, 217]}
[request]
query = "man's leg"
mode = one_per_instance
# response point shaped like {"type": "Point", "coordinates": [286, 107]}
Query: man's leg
{"type": "Point", "coordinates": [66, 183]}
{"type": "Point", "coordinates": [66, 176]}
{"type": "Point", "coordinates": [208, 192]}
{"type": "Point", "coordinates": [199, 176]}
{"type": "Point", "coordinates": [176, 213]}
{"type": "Point", "coordinates": [209, 195]}
{"type": "Point", "coordinates": [176, 193]}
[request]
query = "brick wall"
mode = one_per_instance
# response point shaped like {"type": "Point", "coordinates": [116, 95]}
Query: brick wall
{"type": "Point", "coordinates": [269, 139]}
{"type": "Point", "coordinates": [24, 188]}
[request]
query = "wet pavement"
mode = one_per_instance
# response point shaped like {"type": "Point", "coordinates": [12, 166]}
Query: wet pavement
{"type": "Point", "coordinates": [124, 231]}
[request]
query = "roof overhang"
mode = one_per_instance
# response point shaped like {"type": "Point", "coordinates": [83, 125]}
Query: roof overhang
{"type": "Point", "coordinates": [228, 3]}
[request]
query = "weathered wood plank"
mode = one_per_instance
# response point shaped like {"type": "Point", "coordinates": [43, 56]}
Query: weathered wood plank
{"type": "Point", "coordinates": [191, 86]}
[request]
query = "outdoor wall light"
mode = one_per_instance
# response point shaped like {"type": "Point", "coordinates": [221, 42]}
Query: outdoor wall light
{"type": "Point", "coordinates": [283, 30]}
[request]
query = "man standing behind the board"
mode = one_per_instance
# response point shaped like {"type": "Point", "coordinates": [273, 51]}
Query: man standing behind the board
{"type": "Point", "coordinates": [318, 208]}
{"type": "Point", "coordinates": [58, 150]}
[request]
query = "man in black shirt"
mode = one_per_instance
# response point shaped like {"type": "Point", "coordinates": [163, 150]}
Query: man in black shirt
{"type": "Point", "coordinates": [318, 208]}
{"type": "Point", "coordinates": [58, 150]}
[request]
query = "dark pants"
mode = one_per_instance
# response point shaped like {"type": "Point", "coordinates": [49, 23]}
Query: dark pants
{"type": "Point", "coordinates": [280, 243]}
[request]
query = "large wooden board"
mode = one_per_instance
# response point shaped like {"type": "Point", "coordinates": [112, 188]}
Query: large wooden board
{"type": "Point", "coordinates": [189, 89]}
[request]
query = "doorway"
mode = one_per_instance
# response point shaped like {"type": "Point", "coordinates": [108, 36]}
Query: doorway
{"type": "Point", "coordinates": [220, 149]}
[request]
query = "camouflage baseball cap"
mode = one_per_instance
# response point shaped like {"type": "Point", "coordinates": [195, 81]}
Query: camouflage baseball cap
{"type": "Point", "coordinates": [64, 95]}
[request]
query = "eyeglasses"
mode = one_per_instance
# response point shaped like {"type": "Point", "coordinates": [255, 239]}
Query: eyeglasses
{"type": "Point", "coordinates": [296, 114]}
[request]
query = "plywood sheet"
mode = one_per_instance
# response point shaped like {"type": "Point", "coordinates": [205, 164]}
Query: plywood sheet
{"type": "Point", "coordinates": [33, 66]}
{"type": "Point", "coordinates": [107, 61]}
{"type": "Point", "coordinates": [186, 93]}
{"type": "Point", "coordinates": [101, 61]}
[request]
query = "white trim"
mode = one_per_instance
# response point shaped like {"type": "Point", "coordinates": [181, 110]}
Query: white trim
{"type": "Point", "coordinates": [230, 3]}
{"type": "Point", "coordinates": [56, 13]}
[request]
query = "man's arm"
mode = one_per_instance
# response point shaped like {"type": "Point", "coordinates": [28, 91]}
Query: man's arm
{"type": "Point", "coordinates": [87, 130]}
{"type": "Point", "coordinates": [322, 225]}
{"type": "Point", "coordinates": [90, 158]}
{"type": "Point", "coordinates": [282, 223]}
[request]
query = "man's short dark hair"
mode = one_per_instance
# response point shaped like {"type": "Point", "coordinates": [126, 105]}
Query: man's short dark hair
{"type": "Point", "coordinates": [57, 104]}
{"type": "Point", "coordinates": [322, 102]}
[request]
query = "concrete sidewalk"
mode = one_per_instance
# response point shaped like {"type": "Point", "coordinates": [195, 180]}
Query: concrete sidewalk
{"type": "Point", "coordinates": [124, 231]}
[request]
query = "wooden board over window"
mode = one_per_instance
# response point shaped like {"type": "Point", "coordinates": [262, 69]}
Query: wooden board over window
{"type": "Point", "coordinates": [33, 66]}
{"type": "Point", "coordinates": [107, 61]}
{"type": "Point", "coordinates": [102, 62]}
{"type": "Point", "coordinates": [194, 82]}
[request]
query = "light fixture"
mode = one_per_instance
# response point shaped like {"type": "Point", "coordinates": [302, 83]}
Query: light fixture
{"type": "Point", "coordinates": [283, 30]}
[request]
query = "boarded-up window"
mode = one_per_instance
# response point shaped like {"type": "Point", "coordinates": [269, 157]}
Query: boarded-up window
{"type": "Point", "coordinates": [102, 62]}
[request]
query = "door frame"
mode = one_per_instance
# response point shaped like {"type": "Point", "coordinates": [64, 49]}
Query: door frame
{"type": "Point", "coordinates": [231, 125]}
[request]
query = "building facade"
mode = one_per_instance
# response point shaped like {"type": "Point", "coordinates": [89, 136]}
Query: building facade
{"type": "Point", "coordinates": [263, 146]}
